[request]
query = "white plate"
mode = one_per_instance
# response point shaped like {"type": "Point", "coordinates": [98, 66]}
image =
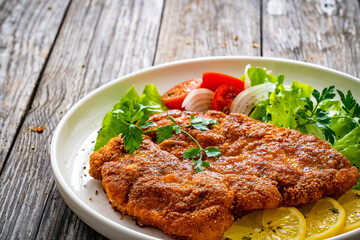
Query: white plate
{"type": "Point", "coordinates": [74, 137]}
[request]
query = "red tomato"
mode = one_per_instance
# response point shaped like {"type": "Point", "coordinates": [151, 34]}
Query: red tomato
{"type": "Point", "coordinates": [212, 80]}
{"type": "Point", "coordinates": [174, 98]}
{"type": "Point", "coordinates": [223, 97]}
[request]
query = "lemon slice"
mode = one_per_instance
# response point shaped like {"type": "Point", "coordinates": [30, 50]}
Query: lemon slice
{"type": "Point", "coordinates": [324, 219]}
{"type": "Point", "coordinates": [279, 223]}
{"type": "Point", "coordinates": [351, 203]}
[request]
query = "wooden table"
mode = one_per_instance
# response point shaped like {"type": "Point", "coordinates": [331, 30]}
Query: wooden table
{"type": "Point", "coordinates": [55, 52]}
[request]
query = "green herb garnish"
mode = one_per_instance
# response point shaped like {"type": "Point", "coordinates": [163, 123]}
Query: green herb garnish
{"type": "Point", "coordinates": [130, 118]}
{"type": "Point", "coordinates": [351, 107]}
{"type": "Point", "coordinates": [315, 115]}
{"type": "Point", "coordinates": [130, 113]}
{"type": "Point", "coordinates": [321, 118]}
{"type": "Point", "coordinates": [334, 210]}
{"type": "Point", "coordinates": [196, 154]}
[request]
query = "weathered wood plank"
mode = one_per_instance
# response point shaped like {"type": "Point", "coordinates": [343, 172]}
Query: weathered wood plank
{"type": "Point", "coordinates": [27, 32]}
{"type": "Point", "coordinates": [98, 41]}
{"type": "Point", "coordinates": [68, 224]}
{"type": "Point", "coordinates": [195, 28]}
{"type": "Point", "coordinates": [321, 32]}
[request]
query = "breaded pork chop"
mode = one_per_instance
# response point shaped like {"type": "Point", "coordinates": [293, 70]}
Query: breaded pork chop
{"type": "Point", "coordinates": [260, 167]}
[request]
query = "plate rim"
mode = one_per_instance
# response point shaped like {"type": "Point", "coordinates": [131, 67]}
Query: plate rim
{"type": "Point", "coordinates": [65, 190]}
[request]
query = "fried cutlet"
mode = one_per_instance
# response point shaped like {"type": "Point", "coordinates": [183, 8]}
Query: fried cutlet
{"type": "Point", "coordinates": [260, 167]}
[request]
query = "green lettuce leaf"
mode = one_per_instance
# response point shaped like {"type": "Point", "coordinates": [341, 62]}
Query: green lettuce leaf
{"type": "Point", "coordinates": [331, 105]}
{"type": "Point", "coordinates": [151, 97]}
{"type": "Point", "coordinates": [259, 112]}
{"type": "Point", "coordinates": [131, 106]}
{"type": "Point", "coordinates": [342, 125]}
{"type": "Point", "coordinates": [284, 104]}
{"type": "Point", "coordinates": [259, 76]}
{"type": "Point", "coordinates": [349, 145]}
{"type": "Point", "coordinates": [242, 78]}
{"type": "Point", "coordinates": [313, 130]}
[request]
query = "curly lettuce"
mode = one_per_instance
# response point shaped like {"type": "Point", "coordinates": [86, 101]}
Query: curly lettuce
{"type": "Point", "coordinates": [302, 107]}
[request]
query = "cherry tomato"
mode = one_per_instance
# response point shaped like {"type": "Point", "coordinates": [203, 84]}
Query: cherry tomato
{"type": "Point", "coordinates": [223, 97]}
{"type": "Point", "coordinates": [174, 98]}
{"type": "Point", "coordinates": [212, 80]}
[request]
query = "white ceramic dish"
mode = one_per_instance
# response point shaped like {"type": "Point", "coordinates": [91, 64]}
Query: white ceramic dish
{"type": "Point", "coordinates": [74, 137]}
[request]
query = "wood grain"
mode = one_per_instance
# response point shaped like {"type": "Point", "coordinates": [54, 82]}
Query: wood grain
{"type": "Point", "coordinates": [102, 40]}
{"type": "Point", "coordinates": [67, 224]}
{"type": "Point", "coordinates": [195, 28]}
{"type": "Point", "coordinates": [321, 32]}
{"type": "Point", "coordinates": [27, 32]}
{"type": "Point", "coordinates": [99, 41]}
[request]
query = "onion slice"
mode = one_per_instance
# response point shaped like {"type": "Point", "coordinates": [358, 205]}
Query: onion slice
{"type": "Point", "coordinates": [198, 100]}
{"type": "Point", "coordinates": [247, 79]}
{"type": "Point", "coordinates": [245, 101]}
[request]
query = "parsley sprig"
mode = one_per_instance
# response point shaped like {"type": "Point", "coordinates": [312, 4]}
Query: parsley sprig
{"type": "Point", "coordinates": [198, 123]}
{"type": "Point", "coordinates": [351, 107]}
{"type": "Point", "coordinates": [313, 114]}
{"type": "Point", "coordinates": [196, 154]}
{"type": "Point", "coordinates": [135, 118]}
{"type": "Point", "coordinates": [133, 141]}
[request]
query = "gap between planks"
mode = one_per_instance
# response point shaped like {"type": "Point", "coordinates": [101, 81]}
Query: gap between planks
{"type": "Point", "coordinates": [158, 35]}
{"type": "Point", "coordinates": [35, 89]}
{"type": "Point", "coordinates": [261, 27]}
{"type": "Point", "coordinates": [33, 93]}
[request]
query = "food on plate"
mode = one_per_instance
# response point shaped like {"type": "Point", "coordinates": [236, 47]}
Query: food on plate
{"type": "Point", "coordinates": [297, 106]}
{"type": "Point", "coordinates": [246, 101]}
{"type": "Point", "coordinates": [226, 87]}
{"type": "Point", "coordinates": [223, 97]}
{"type": "Point", "coordinates": [350, 201]}
{"type": "Point", "coordinates": [159, 187]}
{"type": "Point", "coordinates": [192, 173]}
{"type": "Point", "coordinates": [128, 115]}
{"type": "Point", "coordinates": [278, 223]}
{"type": "Point", "coordinates": [301, 107]}
{"type": "Point", "coordinates": [176, 95]}
{"type": "Point", "coordinates": [198, 100]}
{"type": "Point", "coordinates": [213, 80]}
{"type": "Point", "coordinates": [324, 219]}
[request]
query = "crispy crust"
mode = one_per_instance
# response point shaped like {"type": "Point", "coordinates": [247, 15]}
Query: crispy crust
{"type": "Point", "coordinates": [261, 167]}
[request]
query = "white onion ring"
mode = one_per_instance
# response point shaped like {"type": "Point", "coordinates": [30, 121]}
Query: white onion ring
{"type": "Point", "coordinates": [198, 100]}
{"type": "Point", "coordinates": [245, 101]}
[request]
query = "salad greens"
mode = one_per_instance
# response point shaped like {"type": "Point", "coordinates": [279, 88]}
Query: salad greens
{"type": "Point", "coordinates": [285, 103]}
{"type": "Point", "coordinates": [298, 106]}
{"type": "Point", "coordinates": [128, 115]}
{"type": "Point", "coordinates": [304, 108]}
{"type": "Point", "coordinates": [349, 145]}
{"type": "Point", "coordinates": [130, 118]}
{"type": "Point", "coordinates": [259, 76]}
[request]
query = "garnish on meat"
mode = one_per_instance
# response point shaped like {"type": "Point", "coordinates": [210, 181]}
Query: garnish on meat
{"type": "Point", "coordinates": [260, 167]}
